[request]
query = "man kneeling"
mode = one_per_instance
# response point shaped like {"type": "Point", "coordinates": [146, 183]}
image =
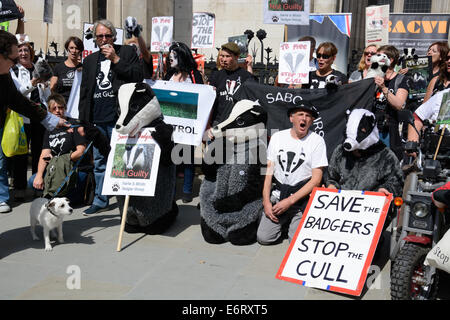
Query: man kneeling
{"type": "Point", "coordinates": [296, 159]}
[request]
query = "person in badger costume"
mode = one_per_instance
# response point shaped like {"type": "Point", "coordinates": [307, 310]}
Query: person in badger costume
{"type": "Point", "coordinates": [140, 108]}
{"type": "Point", "coordinates": [231, 193]}
{"type": "Point", "coordinates": [363, 162]}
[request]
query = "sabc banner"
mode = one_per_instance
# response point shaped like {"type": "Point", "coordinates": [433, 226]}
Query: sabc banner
{"type": "Point", "coordinates": [327, 28]}
{"type": "Point", "coordinates": [417, 30]}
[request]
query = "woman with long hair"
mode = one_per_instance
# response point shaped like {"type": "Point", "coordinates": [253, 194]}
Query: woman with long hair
{"type": "Point", "coordinates": [364, 63]}
{"type": "Point", "coordinates": [441, 78]}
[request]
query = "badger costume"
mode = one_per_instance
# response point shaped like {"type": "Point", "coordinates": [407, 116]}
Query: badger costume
{"type": "Point", "coordinates": [139, 108]}
{"type": "Point", "coordinates": [376, 167]}
{"type": "Point", "coordinates": [231, 193]}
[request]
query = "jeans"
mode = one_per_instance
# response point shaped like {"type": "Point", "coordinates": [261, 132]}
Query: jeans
{"type": "Point", "coordinates": [100, 166]}
{"type": "Point", "coordinates": [4, 184]}
{"type": "Point", "coordinates": [189, 172]}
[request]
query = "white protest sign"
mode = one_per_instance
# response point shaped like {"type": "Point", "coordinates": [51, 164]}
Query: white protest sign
{"type": "Point", "coordinates": [186, 107]}
{"type": "Point", "coordinates": [162, 33]}
{"type": "Point", "coordinates": [74, 98]}
{"type": "Point", "coordinates": [203, 30]}
{"type": "Point", "coordinates": [132, 166]}
{"type": "Point", "coordinates": [336, 240]}
{"type": "Point", "coordinates": [90, 46]}
{"type": "Point", "coordinates": [294, 62]}
{"type": "Point", "coordinates": [377, 25]}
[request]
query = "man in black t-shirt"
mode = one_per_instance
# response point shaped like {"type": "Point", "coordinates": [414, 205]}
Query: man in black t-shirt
{"type": "Point", "coordinates": [227, 82]}
{"type": "Point", "coordinates": [104, 72]}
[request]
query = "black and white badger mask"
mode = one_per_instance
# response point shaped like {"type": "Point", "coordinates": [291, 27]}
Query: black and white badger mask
{"type": "Point", "coordinates": [361, 130]}
{"type": "Point", "coordinates": [138, 108]}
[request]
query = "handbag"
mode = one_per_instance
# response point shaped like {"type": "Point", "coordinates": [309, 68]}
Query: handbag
{"type": "Point", "coordinates": [14, 139]}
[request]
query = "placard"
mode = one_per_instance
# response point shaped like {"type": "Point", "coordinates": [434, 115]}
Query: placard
{"type": "Point", "coordinates": [203, 30]}
{"type": "Point", "coordinates": [420, 71]}
{"type": "Point", "coordinates": [294, 62]}
{"type": "Point", "coordinates": [377, 25]}
{"type": "Point", "coordinates": [186, 107]}
{"type": "Point", "coordinates": [132, 166]}
{"type": "Point", "coordinates": [291, 12]}
{"type": "Point", "coordinates": [242, 43]}
{"type": "Point", "coordinates": [162, 33]}
{"type": "Point", "coordinates": [334, 245]}
{"type": "Point", "coordinates": [444, 112]}
{"type": "Point", "coordinates": [90, 46]}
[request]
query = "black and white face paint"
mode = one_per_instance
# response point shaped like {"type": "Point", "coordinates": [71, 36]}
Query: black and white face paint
{"type": "Point", "coordinates": [173, 59]}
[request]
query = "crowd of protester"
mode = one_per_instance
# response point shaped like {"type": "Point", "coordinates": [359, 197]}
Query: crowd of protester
{"type": "Point", "coordinates": [113, 65]}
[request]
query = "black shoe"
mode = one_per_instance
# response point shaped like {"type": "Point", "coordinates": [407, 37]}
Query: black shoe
{"type": "Point", "coordinates": [93, 210]}
{"type": "Point", "coordinates": [186, 198]}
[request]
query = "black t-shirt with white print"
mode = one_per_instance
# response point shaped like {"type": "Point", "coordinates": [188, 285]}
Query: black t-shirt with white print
{"type": "Point", "coordinates": [318, 82]}
{"type": "Point", "coordinates": [227, 83]}
{"type": "Point", "coordinates": [65, 76]}
{"type": "Point", "coordinates": [60, 141]}
{"type": "Point", "coordinates": [105, 102]}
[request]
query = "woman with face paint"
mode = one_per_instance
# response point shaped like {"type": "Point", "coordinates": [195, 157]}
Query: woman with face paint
{"type": "Point", "coordinates": [181, 67]}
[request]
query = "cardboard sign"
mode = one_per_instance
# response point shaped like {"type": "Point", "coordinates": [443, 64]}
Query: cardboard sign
{"type": "Point", "coordinates": [336, 240]}
{"type": "Point", "coordinates": [420, 72]}
{"type": "Point", "coordinates": [444, 112]}
{"type": "Point", "coordinates": [186, 107]}
{"type": "Point", "coordinates": [132, 166]}
{"type": "Point", "coordinates": [377, 25]}
{"type": "Point", "coordinates": [242, 43]}
{"type": "Point", "coordinates": [90, 46]}
{"type": "Point", "coordinates": [294, 62]}
{"type": "Point", "coordinates": [203, 30]}
{"type": "Point", "coordinates": [292, 12]}
{"type": "Point", "coordinates": [162, 33]}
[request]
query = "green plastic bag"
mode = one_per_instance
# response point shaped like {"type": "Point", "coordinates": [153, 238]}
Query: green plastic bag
{"type": "Point", "coordinates": [14, 140]}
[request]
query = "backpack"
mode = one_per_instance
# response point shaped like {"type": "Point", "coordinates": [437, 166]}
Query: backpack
{"type": "Point", "coordinates": [58, 169]}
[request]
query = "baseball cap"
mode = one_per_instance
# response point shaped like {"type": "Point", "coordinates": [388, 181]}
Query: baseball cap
{"type": "Point", "coordinates": [305, 106]}
{"type": "Point", "coordinates": [232, 47]}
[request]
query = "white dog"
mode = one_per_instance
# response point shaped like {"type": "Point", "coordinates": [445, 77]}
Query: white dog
{"type": "Point", "coordinates": [49, 214]}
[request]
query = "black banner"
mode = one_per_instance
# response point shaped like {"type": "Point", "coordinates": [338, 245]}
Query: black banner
{"type": "Point", "coordinates": [332, 106]}
{"type": "Point", "coordinates": [9, 11]}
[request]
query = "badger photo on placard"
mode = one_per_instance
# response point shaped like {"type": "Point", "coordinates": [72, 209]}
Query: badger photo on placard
{"type": "Point", "coordinates": [177, 103]}
{"type": "Point", "coordinates": [133, 161]}
{"type": "Point", "coordinates": [133, 164]}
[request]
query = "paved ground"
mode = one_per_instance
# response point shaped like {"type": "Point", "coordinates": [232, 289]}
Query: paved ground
{"type": "Point", "coordinates": [178, 265]}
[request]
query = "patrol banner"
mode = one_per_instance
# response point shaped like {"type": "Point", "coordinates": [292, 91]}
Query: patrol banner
{"type": "Point", "coordinates": [331, 104]}
{"type": "Point", "coordinates": [9, 11]}
{"type": "Point", "coordinates": [186, 107]}
{"type": "Point", "coordinates": [417, 30]}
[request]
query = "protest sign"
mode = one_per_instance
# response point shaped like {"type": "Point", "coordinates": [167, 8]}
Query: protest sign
{"type": "Point", "coordinates": [48, 11]}
{"type": "Point", "coordinates": [294, 62]}
{"type": "Point", "coordinates": [132, 165]}
{"type": "Point", "coordinates": [242, 43]}
{"type": "Point", "coordinates": [417, 30]}
{"type": "Point", "coordinates": [74, 97]}
{"type": "Point", "coordinates": [162, 33]}
{"type": "Point", "coordinates": [90, 46]}
{"type": "Point", "coordinates": [9, 11]}
{"type": "Point", "coordinates": [331, 105]}
{"type": "Point", "coordinates": [327, 28]}
{"type": "Point", "coordinates": [186, 107]}
{"type": "Point", "coordinates": [420, 72]}
{"type": "Point", "coordinates": [334, 244]}
{"type": "Point", "coordinates": [444, 111]}
{"type": "Point", "coordinates": [291, 12]}
{"type": "Point", "coordinates": [377, 22]}
{"type": "Point", "coordinates": [203, 30]}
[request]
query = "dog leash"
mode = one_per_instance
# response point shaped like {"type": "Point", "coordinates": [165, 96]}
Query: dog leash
{"type": "Point", "coordinates": [71, 171]}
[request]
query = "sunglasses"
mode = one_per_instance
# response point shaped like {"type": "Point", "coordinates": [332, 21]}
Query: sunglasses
{"type": "Point", "coordinates": [107, 36]}
{"type": "Point", "coordinates": [325, 56]}
{"type": "Point", "coordinates": [369, 53]}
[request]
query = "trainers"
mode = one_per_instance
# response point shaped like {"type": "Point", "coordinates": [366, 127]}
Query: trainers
{"type": "Point", "coordinates": [186, 198]}
{"type": "Point", "coordinates": [4, 207]}
{"type": "Point", "coordinates": [93, 209]}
